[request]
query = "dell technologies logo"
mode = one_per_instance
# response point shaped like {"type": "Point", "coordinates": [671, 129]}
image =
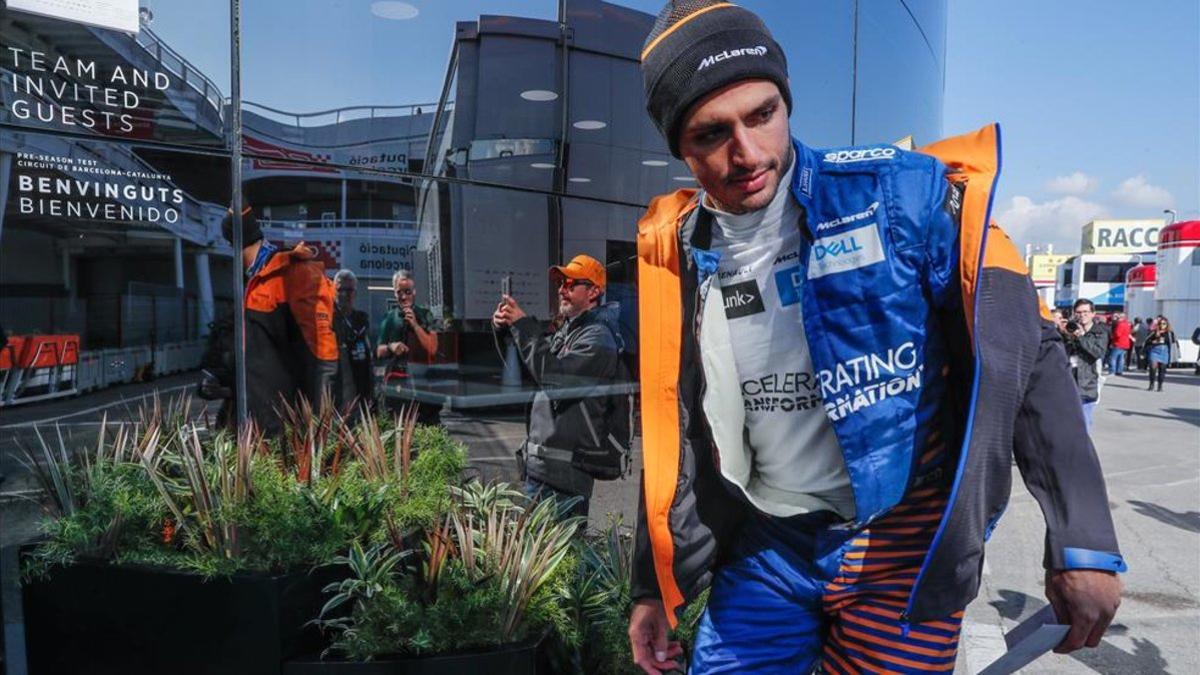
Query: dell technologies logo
{"type": "Point", "coordinates": [713, 59]}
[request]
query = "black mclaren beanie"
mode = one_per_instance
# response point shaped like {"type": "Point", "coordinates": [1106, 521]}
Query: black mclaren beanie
{"type": "Point", "coordinates": [251, 232]}
{"type": "Point", "coordinates": [697, 46]}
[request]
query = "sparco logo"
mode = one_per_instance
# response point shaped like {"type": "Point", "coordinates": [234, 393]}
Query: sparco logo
{"type": "Point", "coordinates": [859, 155]}
{"type": "Point", "coordinates": [713, 59]}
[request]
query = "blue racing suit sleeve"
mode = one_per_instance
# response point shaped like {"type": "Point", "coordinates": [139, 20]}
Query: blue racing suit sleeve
{"type": "Point", "coordinates": [1060, 466]}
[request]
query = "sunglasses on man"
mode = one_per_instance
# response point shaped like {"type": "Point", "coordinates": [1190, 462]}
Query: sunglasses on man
{"type": "Point", "coordinates": [570, 284]}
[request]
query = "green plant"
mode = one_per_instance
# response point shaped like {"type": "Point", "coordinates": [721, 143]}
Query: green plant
{"type": "Point", "coordinates": [371, 571]}
{"type": "Point", "coordinates": [598, 602]}
{"type": "Point", "coordinates": [418, 463]}
{"type": "Point", "coordinates": [521, 544]}
{"type": "Point", "coordinates": [201, 490]}
{"type": "Point", "coordinates": [99, 501]}
{"type": "Point", "coordinates": [487, 573]}
{"type": "Point", "coordinates": [312, 442]}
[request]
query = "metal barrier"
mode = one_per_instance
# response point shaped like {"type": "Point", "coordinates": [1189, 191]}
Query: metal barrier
{"type": "Point", "coordinates": [35, 368]}
{"type": "Point", "coordinates": [39, 367]}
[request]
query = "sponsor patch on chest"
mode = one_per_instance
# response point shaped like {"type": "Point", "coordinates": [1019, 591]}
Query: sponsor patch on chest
{"type": "Point", "coordinates": [845, 251]}
{"type": "Point", "coordinates": [742, 299]}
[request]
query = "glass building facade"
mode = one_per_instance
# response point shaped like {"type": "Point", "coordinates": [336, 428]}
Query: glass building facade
{"type": "Point", "coordinates": [471, 144]}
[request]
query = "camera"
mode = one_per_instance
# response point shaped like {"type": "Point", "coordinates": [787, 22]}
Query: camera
{"type": "Point", "coordinates": [1072, 326]}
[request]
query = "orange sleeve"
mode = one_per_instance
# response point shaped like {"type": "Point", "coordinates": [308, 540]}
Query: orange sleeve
{"type": "Point", "coordinates": [310, 297]}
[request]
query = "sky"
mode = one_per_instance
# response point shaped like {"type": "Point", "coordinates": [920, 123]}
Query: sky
{"type": "Point", "coordinates": [1098, 100]}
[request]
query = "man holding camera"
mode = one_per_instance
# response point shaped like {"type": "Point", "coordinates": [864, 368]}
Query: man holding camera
{"type": "Point", "coordinates": [1086, 341]}
{"type": "Point", "coordinates": [407, 329]}
{"type": "Point", "coordinates": [569, 438]}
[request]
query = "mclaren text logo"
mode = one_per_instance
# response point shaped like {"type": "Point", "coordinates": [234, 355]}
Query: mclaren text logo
{"type": "Point", "coordinates": [859, 155]}
{"type": "Point", "coordinates": [846, 220]}
{"type": "Point", "coordinates": [865, 380]}
{"type": "Point", "coordinates": [713, 59]}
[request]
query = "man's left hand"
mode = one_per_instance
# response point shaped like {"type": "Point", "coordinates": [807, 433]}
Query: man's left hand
{"type": "Point", "coordinates": [410, 316]}
{"type": "Point", "coordinates": [1087, 600]}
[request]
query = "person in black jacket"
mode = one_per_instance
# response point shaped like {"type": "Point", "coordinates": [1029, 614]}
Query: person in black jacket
{"type": "Point", "coordinates": [1086, 342]}
{"type": "Point", "coordinates": [355, 385]}
{"type": "Point", "coordinates": [872, 279]}
{"type": "Point", "coordinates": [583, 352]}
{"type": "Point", "coordinates": [291, 349]}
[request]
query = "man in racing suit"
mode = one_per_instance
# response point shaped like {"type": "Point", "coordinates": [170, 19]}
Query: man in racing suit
{"type": "Point", "coordinates": [840, 357]}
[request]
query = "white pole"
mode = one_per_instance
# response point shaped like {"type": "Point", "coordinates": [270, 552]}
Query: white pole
{"type": "Point", "coordinates": [204, 288]}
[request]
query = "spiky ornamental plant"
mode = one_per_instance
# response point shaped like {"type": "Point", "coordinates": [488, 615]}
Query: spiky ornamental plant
{"type": "Point", "coordinates": [311, 437]}
{"type": "Point", "coordinates": [521, 544]}
{"type": "Point", "coordinates": [209, 486]}
{"type": "Point", "coordinates": [99, 502]}
{"type": "Point", "coordinates": [386, 456]}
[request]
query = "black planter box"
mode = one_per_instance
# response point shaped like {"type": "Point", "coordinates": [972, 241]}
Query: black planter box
{"type": "Point", "coordinates": [523, 658]}
{"type": "Point", "coordinates": [93, 617]}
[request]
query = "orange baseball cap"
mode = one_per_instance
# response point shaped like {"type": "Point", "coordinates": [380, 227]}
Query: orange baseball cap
{"type": "Point", "coordinates": [582, 267]}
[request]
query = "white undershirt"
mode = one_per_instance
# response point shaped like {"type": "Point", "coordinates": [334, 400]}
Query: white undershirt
{"type": "Point", "coordinates": [796, 455]}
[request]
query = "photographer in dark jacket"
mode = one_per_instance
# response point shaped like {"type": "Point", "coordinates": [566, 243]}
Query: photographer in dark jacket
{"type": "Point", "coordinates": [583, 351]}
{"type": "Point", "coordinates": [1086, 342]}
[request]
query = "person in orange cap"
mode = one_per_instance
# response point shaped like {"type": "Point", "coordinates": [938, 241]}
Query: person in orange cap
{"type": "Point", "coordinates": [569, 443]}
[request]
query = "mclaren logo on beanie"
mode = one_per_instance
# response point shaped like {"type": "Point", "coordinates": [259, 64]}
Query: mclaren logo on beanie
{"type": "Point", "coordinates": [712, 59]}
{"type": "Point", "coordinates": [699, 46]}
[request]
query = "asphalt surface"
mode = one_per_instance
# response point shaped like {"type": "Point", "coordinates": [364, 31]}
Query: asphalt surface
{"type": "Point", "coordinates": [1148, 443]}
{"type": "Point", "coordinates": [1149, 448]}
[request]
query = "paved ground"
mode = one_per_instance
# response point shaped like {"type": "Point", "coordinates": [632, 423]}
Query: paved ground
{"type": "Point", "coordinates": [1149, 445]}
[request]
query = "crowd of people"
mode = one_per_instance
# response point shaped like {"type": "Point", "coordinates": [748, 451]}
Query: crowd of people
{"type": "Point", "coordinates": [304, 336]}
{"type": "Point", "coordinates": [1117, 346]}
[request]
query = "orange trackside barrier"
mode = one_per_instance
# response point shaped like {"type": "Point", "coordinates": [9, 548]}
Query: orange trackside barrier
{"type": "Point", "coordinates": [11, 352]}
{"type": "Point", "coordinates": [48, 351]}
{"type": "Point", "coordinates": [38, 367]}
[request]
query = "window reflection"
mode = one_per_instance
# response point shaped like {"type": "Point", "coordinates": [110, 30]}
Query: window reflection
{"type": "Point", "coordinates": [115, 248]}
{"type": "Point", "coordinates": [523, 145]}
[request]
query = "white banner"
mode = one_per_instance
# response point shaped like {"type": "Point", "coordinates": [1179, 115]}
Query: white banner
{"type": "Point", "coordinates": [370, 256]}
{"type": "Point", "coordinates": [119, 15]}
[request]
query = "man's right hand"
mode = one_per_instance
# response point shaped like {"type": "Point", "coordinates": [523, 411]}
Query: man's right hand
{"type": "Point", "coordinates": [507, 312]}
{"type": "Point", "coordinates": [648, 638]}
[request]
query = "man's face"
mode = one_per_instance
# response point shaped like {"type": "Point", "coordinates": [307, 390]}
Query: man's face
{"type": "Point", "coordinates": [346, 291]}
{"type": "Point", "coordinates": [735, 141]}
{"type": "Point", "coordinates": [405, 292]}
{"type": "Point", "coordinates": [575, 297]}
{"type": "Point", "coordinates": [1084, 315]}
